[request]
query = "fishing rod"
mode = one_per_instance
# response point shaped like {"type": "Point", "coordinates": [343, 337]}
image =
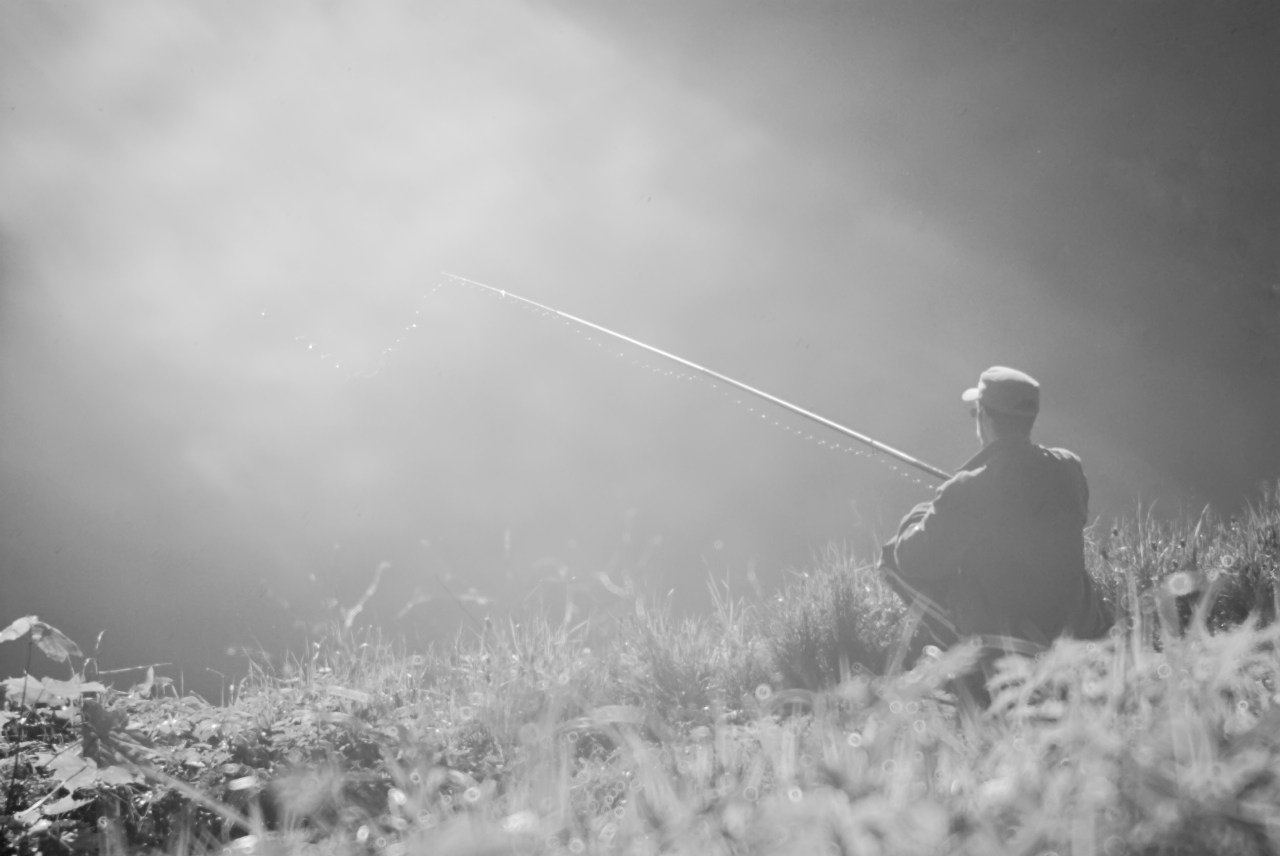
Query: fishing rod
{"type": "Point", "coordinates": [772, 399]}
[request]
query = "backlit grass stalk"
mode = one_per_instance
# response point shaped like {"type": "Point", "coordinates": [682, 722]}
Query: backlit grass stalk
{"type": "Point", "coordinates": [12, 792]}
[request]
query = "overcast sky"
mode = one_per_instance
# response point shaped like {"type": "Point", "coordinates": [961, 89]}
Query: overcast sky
{"type": "Point", "coordinates": [231, 376]}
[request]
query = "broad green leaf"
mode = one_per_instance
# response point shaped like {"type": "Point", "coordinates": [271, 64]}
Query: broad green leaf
{"type": "Point", "coordinates": [75, 771]}
{"type": "Point", "coordinates": [53, 642]}
{"type": "Point", "coordinates": [73, 688]}
{"type": "Point", "coordinates": [48, 689]}
{"type": "Point", "coordinates": [63, 806]}
{"type": "Point", "coordinates": [63, 765]}
{"type": "Point", "coordinates": [18, 628]}
{"type": "Point", "coordinates": [24, 690]}
{"type": "Point", "coordinates": [114, 774]}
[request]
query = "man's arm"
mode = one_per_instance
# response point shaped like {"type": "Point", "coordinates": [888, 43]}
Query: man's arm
{"type": "Point", "coordinates": [934, 535]}
{"type": "Point", "coordinates": [888, 553]}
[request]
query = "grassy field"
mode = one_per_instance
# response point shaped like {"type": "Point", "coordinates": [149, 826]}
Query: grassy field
{"type": "Point", "coordinates": [807, 722]}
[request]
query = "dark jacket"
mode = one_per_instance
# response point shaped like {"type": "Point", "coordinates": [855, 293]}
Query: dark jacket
{"type": "Point", "coordinates": [1001, 545]}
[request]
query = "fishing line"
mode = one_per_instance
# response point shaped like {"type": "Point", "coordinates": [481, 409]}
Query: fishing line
{"type": "Point", "coordinates": [336, 362]}
{"type": "Point", "coordinates": [582, 325]}
{"type": "Point", "coordinates": [911, 469]}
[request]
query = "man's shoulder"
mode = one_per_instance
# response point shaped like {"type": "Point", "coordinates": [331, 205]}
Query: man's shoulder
{"type": "Point", "coordinates": [962, 485]}
{"type": "Point", "coordinates": [1062, 454]}
{"type": "Point", "coordinates": [1014, 462]}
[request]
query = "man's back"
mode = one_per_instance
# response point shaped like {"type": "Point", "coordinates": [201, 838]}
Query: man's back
{"type": "Point", "coordinates": [1002, 544]}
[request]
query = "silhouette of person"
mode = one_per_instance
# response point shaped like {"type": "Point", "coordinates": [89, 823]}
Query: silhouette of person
{"type": "Point", "coordinates": [999, 550]}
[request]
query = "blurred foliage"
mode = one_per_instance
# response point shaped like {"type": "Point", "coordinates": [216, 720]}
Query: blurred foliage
{"type": "Point", "coordinates": [770, 726]}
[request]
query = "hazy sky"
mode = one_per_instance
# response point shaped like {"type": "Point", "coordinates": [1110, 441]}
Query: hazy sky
{"type": "Point", "coordinates": [230, 376]}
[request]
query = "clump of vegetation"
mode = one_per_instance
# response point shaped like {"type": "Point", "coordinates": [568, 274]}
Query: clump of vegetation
{"type": "Point", "coordinates": [1158, 575]}
{"type": "Point", "coordinates": [835, 620]}
{"type": "Point", "coordinates": [753, 730]}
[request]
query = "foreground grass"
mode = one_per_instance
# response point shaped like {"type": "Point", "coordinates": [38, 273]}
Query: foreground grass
{"type": "Point", "coordinates": [795, 725]}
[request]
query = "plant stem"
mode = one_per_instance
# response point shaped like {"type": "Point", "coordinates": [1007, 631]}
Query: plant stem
{"type": "Point", "coordinates": [10, 802]}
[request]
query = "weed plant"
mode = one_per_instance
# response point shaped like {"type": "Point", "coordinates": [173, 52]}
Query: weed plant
{"type": "Point", "coordinates": [786, 725]}
{"type": "Point", "coordinates": [835, 619]}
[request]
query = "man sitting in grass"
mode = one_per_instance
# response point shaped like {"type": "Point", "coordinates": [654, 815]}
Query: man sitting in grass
{"type": "Point", "coordinates": [999, 550]}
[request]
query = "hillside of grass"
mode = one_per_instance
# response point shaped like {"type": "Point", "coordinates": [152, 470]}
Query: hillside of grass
{"type": "Point", "coordinates": [811, 721]}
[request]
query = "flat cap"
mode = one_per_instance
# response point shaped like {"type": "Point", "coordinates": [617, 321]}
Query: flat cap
{"type": "Point", "coordinates": [1006, 390]}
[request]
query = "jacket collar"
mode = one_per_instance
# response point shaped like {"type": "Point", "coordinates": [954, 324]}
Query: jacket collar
{"type": "Point", "coordinates": [992, 449]}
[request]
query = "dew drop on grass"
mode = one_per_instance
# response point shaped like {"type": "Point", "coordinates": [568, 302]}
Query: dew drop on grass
{"type": "Point", "coordinates": [1180, 584]}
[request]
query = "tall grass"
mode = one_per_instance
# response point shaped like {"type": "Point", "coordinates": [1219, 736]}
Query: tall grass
{"type": "Point", "coordinates": [833, 620]}
{"type": "Point", "coordinates": [793, 724]}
